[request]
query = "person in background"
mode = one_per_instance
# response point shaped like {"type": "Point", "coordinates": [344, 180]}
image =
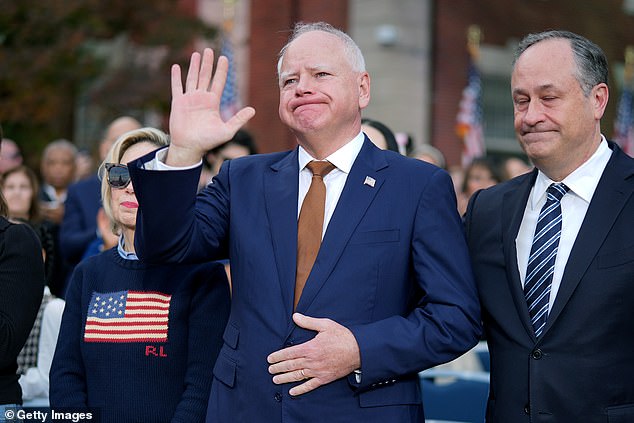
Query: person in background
{"type": "Point", "coordinates": [84, 165]}
{"type": "Point", "coordinates": [106, 239]}
{"type": "Point", "coordinates": [10, 155]}
{"type": "Point", "coordinates": [514, 166]}
{"type": "Point", "coordinates": [429, 154]}
{"type": "Point", "coordinates": [379, 134]}
{"type": "Point", "coordinates": [240, 145]}
{"type": "Point", "coordinates": [333, 315]}
{"type": "Point", "coordinates": [58, 172]}
{"type": "Point", "coordinates": [21, 287]}
{"type": "Point", "coordinates": [57, 169]}
{"type": "Point", "coordinates": [552, 249]}
{"type": "Point", "coordinates": [19, 186]}
{"type": "Point", "coordinates": [138, 341]}
{"type": "Point", "coordinates": [35, 358]}
{"type": "Point", "coordinates": [405, 143]}
{"type": "Point", "coordinates": [79, 231]}
{"type": "Point", "coordinates": [481, 173]}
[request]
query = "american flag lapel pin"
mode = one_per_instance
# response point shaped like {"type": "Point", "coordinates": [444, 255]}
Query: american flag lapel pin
{"type": "Point", "coordinates": [369, 181]}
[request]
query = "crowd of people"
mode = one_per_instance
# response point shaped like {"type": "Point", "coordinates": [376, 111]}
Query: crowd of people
{"type": "Point", "coordinates": [348, 267]}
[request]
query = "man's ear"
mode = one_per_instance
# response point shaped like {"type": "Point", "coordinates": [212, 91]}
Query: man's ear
{"type": "Point", "coordinates": [364, 90]}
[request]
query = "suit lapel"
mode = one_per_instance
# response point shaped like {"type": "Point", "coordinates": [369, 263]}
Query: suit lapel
{"type": "Point", "coordinates": [611, 194]}
{"type": "Point", "coordinates": [514, 205]}
{"type": "Point", "coordinates": [353, 203]}
{"type": "Point", "coordinates": [280, 191]}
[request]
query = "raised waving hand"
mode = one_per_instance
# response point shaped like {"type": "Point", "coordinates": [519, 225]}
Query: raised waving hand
{"type": "Point", "coordinates": [195, 122]}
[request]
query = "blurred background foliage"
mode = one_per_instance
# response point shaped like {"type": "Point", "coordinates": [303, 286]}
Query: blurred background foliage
{"type": "Point", "coordinates": [58, 59]}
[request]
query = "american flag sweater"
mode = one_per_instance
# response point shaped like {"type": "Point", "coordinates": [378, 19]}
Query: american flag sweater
{"type": "Point", "coordinates": [138, 342]}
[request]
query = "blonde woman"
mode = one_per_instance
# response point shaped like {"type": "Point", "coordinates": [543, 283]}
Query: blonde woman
{"type": "Point", "coordinates": [138, 342]}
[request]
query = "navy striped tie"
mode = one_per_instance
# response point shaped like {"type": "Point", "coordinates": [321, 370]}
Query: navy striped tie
{"type": "Point", "coordinates": [541, 262]}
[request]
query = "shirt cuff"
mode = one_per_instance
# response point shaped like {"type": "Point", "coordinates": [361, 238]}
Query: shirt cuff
{"type": "Point", "coordinates": [158, 162]}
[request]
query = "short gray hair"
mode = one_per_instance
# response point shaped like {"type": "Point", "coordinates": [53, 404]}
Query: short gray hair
{"type": "Point", "coordinates": [592, 65]}
{"type": "Point", "coordinates": [61, 144]}
{"type": "Point", "coordinates": [352, 50]}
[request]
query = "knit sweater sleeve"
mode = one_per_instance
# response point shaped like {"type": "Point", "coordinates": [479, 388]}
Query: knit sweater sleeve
{"type": "Point", "coordinates": [68, 374]}
{"type": "Point", "coordinates": [21, 288]}
{"type": "Point", "coordinates": [209, 312]}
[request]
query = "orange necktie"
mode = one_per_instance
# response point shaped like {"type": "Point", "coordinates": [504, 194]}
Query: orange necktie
{"type": "Point", "coordinates": [311, 223]}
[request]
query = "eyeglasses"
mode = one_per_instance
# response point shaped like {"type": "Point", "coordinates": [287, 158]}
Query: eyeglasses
{"type": "Point", "coordinates": [118, 175]}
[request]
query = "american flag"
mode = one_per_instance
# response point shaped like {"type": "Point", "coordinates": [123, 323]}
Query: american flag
{"type": "Point", "coordinates": [624, 123]}
{"type": "Point", "coordinates": [469, 119]}
{"type": "Point", "coordinates": [229, 99]}
{"type": "Point", "coordinates": [127, 316]}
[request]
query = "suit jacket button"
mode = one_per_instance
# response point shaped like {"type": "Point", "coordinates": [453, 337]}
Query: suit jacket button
{"type": "Point", "coordinates": [537, 354]}
{"type": "Point", "coordinates": [527, 410]}
{"type": "Point", "coordinates": [278, 397]}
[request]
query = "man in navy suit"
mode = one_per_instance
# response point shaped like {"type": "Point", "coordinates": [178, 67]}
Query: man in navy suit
{"type": "Point", "coordinates": [391, 291]}
{"type": "Point", "coordinates": [570, 358]}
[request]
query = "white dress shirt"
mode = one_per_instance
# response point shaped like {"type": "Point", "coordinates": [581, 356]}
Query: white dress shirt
{"type": "Point", "coordinates": [35, 382]}
{"type": "Point", "coordinates": [334, 181]}
{"type": "Point", "coordinates": [574, 205]}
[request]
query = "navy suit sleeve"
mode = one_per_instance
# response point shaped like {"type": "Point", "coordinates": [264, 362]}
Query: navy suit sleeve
{"type": "Point", "coordinates": [446, 321]}
{"type": "Point", "coordinates": [189, 231]}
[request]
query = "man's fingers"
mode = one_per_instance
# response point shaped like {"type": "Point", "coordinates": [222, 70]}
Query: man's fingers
{"type": "Point", "coordinates": [238, 120]}
{"type": "Point", "coordinates": [311, 323]}
{"type": "Point", "coordinates": [177, 83]}
{"type": "Point", "coordinates": [220, 77]}
{"type": "Point", "coordinates": [294, 376]}
{"type": "Point", "coordinates": [286, 366]}
{"type": "Point", "coordinates": [206, 70]}
{"type": "Point", "coordinates": [309, 385]}
{"type": "Point", "coordinates": [285, 354]}
{"type": "Point", "coordinates": [191, 83]}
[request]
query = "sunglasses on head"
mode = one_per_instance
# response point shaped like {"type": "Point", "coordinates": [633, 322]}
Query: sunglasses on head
{"type": "Point", "coordinates": [118, 175]}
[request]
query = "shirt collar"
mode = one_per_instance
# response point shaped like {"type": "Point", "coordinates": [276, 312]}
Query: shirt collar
{"type": "Point", "coordinates": [123, 253]}
{"type": "Point", "coordinates": [582, 181]}
{"type": "Point", "coordinates": [342, 158]}
{"type": "Point", "coordinates": [52, 193]}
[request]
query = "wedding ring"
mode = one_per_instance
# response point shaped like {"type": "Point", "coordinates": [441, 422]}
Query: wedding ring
{"type": "Point", "coordinates": [303, 374]}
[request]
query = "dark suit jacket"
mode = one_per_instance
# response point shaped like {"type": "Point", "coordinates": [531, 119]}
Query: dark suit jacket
{"type": "Point", "coordinates": [393, 268]}
{"type": "Point", "coordinates": [582, 368]}
{"type": "Point", "coordinates": [79, 226]}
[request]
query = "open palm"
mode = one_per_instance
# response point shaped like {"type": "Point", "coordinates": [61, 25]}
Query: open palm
{"type": "Point", "coordinates": [195, 122]}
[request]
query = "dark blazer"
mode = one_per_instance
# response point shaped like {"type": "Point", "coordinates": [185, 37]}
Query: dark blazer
{"type": "Point", "coordinates": [582, 368]}
{"type": "Point", "coordinates": [79, 227]}
{"type": "Point", "coordinates": [393, 268]}
{"type": "Point", "coordinates": [21, 289]}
